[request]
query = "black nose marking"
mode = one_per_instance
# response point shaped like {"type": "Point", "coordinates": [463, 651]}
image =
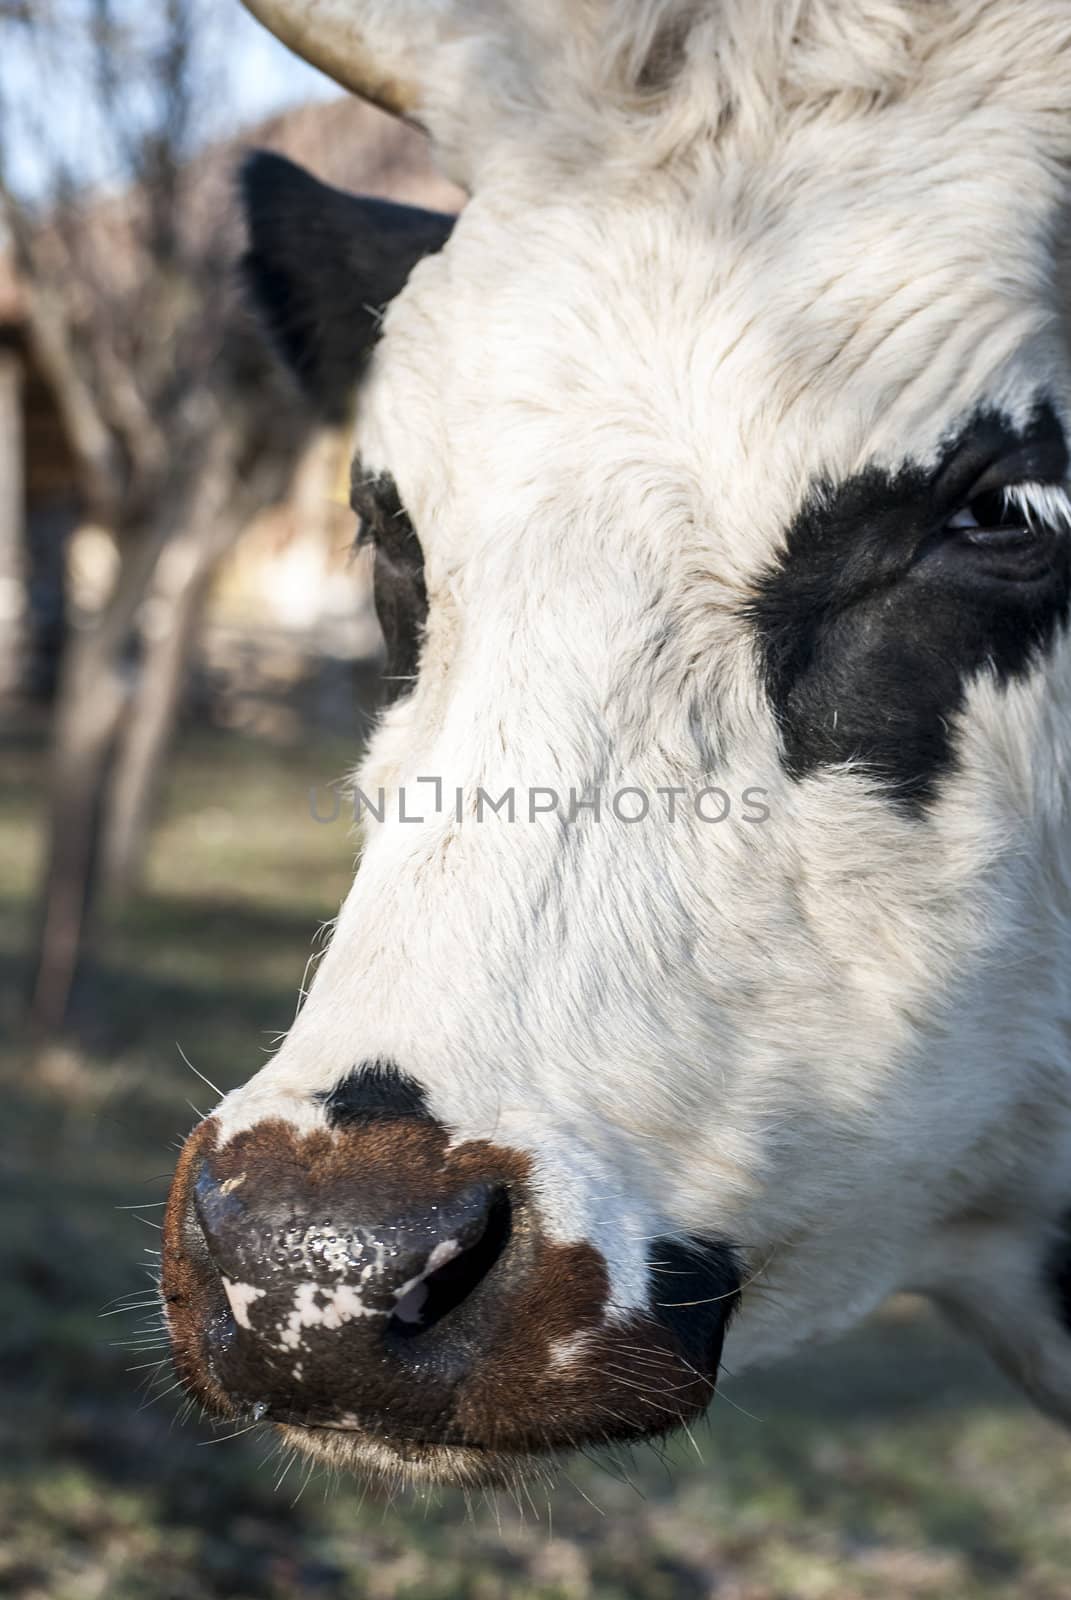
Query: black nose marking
{"type": "Point", "coordinates": [376, 1091]}
{"type": "Point", "coordinates": [695, 1291]}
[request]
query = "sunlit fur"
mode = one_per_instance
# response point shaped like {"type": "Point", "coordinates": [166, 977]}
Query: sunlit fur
{"type": "Point", "coordinates": [715, 253]}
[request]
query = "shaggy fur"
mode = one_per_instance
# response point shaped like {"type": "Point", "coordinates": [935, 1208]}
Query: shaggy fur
{"type": "Point", "coordinates": [717, 254]}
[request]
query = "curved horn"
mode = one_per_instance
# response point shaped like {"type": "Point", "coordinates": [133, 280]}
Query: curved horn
{"type": "Point", "coordinates": [328, 33]}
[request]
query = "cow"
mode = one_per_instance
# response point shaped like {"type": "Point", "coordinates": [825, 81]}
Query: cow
{"type": "Point", "coordinates": [715, 465]}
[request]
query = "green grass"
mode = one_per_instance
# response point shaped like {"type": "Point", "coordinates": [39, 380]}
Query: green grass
{"type": "Point", "coordinates": [895, 1465]}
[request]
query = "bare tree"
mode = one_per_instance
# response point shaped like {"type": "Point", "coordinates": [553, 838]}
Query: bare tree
{"type": "Point", "coordinates": [12, 500]}
{"type": "Point", "coordinates": [177, 428]}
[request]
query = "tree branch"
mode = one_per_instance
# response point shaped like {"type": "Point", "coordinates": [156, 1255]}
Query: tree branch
{"type": "Point", "coordinates": [54, 345]}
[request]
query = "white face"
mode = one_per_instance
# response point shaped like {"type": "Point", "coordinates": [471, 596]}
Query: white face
{"type": "Point", "coordinates": [707, 465]}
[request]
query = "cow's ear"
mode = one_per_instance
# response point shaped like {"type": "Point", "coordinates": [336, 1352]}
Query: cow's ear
{"type": "Point", "coordinates": [321, 266]}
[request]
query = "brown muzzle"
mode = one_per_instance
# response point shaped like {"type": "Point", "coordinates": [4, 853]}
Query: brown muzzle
{"type": "Point", "coordinates": [371, 1280]}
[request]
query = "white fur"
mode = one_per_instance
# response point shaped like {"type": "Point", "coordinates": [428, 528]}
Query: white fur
{"type": "Point", "coordinates": [825, 234]}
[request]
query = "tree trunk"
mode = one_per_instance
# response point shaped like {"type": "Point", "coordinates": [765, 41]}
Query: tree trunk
{"type": "Point", "coordinates": [12, 525]}
{"type": "Point", "coordinates": [95, 688]}
{"type": "Point", "coordinates": [114, 718]}
{"type": "Point", "coordinates": [184, 580]}
{"type": "Point", "coordinates": [89, 711]}
{"type": "Point", "coordinates": [178, 611]}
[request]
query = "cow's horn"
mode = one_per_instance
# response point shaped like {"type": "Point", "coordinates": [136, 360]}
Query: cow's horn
{"type": "Point", "coordinates": [330, 35]}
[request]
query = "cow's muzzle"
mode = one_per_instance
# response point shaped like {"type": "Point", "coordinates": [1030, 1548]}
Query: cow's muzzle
{"type": "Point", "coordinates": [345, 1308]}
{"type": "Point", "coordinates": [384, 1297]}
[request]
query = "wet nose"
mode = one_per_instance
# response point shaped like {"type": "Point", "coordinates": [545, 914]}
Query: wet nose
{"type": "Point", "coordinates": [348, 1308]}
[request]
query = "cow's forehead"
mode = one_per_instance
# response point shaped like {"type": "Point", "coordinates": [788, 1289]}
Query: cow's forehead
{"type": "Point", "coordinates": [729, 331]}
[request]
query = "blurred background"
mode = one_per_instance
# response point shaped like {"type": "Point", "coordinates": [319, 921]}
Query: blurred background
{"type": "Point", "coordinates": [188, 655]}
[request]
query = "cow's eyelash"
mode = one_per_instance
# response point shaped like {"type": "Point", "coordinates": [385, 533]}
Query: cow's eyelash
{"type": "Point", "coordinates": [1041, 505]}
{"type": "Point", "coordinates": [1034, 508]}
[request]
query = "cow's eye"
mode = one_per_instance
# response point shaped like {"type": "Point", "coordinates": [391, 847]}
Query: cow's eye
{"type": "Point", "coordinates": [1012, 530]}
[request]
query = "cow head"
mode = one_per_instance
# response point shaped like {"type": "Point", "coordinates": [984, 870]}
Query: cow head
{"type": "Point", "coordinates": [715, 464]}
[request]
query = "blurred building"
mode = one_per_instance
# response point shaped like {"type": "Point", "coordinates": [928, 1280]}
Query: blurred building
{"type": "Point", "coordinates": [291, 592]}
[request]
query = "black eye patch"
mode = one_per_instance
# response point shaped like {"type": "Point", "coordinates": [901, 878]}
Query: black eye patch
{"type": "Point", "coordinates": [873, 622]}
{"type": "Point", "coordinates": [398, 573]}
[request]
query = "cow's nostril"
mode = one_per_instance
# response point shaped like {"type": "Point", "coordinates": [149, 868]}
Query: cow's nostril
{"type": "Point", "coordinates": [451, 1274]}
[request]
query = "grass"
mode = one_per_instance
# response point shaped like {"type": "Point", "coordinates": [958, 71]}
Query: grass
{"type": "Point", "coordinates": [895, 1465]}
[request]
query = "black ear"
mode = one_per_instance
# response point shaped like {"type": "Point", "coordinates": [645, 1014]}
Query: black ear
{"type": "Point", "coordinates": [322, 265]}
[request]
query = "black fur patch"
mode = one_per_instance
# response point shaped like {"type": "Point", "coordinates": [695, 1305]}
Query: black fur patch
{"type": "Point", "coordinates": [376, 1091]}
{"type": "Point", "coordinates": [322, 265]}
{"type": "Point", "coordinates": [398, 574]}
{"type": "Point", "coordinates": [877, 616]}
{"type": "Point", "coordinates": [695, 1290]}
{"type": "Point", "coordinates": [1058, 1273]}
